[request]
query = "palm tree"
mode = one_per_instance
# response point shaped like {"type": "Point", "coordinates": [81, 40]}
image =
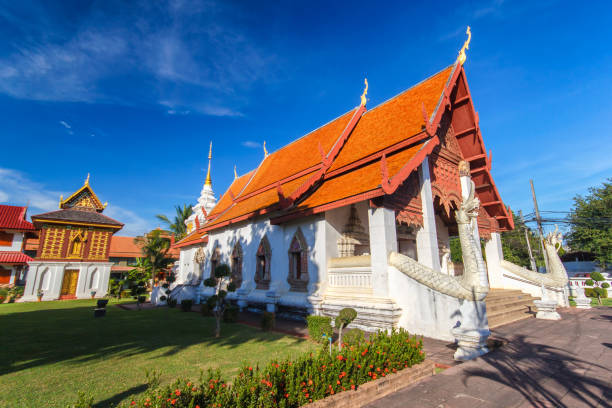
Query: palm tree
{"type": "Point", "coordinates": [155, 249]}
{"type": "Point", "coordinates": [178, 224]}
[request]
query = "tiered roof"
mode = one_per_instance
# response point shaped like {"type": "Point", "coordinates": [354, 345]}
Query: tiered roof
{"type": "Point", "coordinates": [362, 154]}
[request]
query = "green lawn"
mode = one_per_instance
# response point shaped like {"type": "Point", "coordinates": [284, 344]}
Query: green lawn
{"type": "Point", "coordinates": [594, 302]}
{"type": "Point", "coordinates": [49, 351]}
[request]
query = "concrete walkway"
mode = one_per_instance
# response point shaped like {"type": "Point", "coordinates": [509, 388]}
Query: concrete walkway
{"type": "Point", "coordinates": [566, 363]}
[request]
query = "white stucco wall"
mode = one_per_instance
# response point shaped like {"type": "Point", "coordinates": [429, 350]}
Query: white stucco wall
{"type": "Point", "coordinates": [249, 234]}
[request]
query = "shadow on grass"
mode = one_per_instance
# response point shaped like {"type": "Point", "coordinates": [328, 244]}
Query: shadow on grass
{"type": "Point", "coordinates": [543, 374]}
{"type": "Point", "coordinates": [72, 335]}
{"type": "Point", "coordinates": [117, 398]}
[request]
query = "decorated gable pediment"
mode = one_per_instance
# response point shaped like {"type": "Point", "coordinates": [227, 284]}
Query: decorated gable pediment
{"type": "Point", "coordinates": [83, 199]}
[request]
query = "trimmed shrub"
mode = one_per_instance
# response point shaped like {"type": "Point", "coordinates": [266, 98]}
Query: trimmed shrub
{"type": "Point", "coordinates": [206, 310]}
{"type": "Point", "coordinates": [230, 315]}
{"type": "Point", "coordinates": [353, 337]}
{"type": "Point", "coordinates": [317, 326]}
{"type": "Point", "coordinates": [186, 305]}
{"type": "Point", "coordinates": [293, 383]}
{"type": "Point", "coordinates": [171, 302]}
{"type": "Point", "coordinates": [591, 292]}
{"type": "Point", "coordinates": [268, 321]}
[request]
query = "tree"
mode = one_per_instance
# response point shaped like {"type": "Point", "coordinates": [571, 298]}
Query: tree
{"type": "Point", "coordinates": [345, 317]}
{"type": "Point", "coordinates": [599, 284]}
{"type": "Point", "coordinates": [591, 223]}
{"type": "Point", "coordinates": [513, 244]}
{"type": "Point", "coordinates": [138, 279]}
{"type": "Point", "coordinates": [177, 226]}
{"type": "Point", "coordinates": [155, 249]}
{"type": "Point", "coordinates": [220, 281]}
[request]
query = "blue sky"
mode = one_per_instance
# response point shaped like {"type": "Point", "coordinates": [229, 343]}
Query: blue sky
{"type": "Point", "coordinates": [133, 92]}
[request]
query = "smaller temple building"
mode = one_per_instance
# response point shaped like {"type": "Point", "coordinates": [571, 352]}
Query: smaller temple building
{"type": "Point", "coordinates": [72, 260]}
{"type": "Point", "coordinates": [14, 231]}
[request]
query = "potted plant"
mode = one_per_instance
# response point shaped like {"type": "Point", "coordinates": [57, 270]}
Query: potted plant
{"type": "Point", "coordinates": [93, 294]}
{"type": "Point", "coordinates": [40, 294]}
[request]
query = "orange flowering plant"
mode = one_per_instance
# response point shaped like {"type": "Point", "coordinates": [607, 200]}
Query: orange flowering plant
{"type": "Point", "coordinates": [293, 383]}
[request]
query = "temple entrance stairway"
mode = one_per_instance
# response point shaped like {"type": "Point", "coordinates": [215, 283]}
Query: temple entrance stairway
{"type": "Point", "coordinates": [508, 305]}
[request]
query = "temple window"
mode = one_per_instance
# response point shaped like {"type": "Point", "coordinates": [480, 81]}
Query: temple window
{"type": "Point", "coordinates": [237, 265]}
{"type": "Point", "coordinates": [6, 239]}
{"type": "Point", "coordinates": [214, 261]}
{"type": "Point", "coordinates": [262, 273]}
{"type": "Point", "coordinates": [298, 263]}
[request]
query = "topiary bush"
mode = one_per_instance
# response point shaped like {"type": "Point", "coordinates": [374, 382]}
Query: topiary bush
{"type": "Point", "coordinates": [293, 383]}
{"type": "Point", "coordinates": [599, 284]}
{"type": "Point", "coordinates": [345, 317]}
{"type": "Point", "coordinates": [590, 292]}
{"type": "Point", "coordinates": [268, 321]}
{"type": "Point", "coordinates": [186, 305]}
{"type": "Point", "coordinates": [230, 315]}
{"type": "Point", "coordinates": [317, 326]}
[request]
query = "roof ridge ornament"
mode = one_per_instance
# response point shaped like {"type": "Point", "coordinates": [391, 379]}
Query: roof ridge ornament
{"type": "Point", "coordinates": [466, 46]}
{"type": "Point", "coordinates": [86, 180]}
{"type": "Point", "coordinates": [265, 150]}
{"type": "Point", "coordinates": [208, 181]}
{"type": "Point", "coordinates": [235, 173]}
{"type": "Point", "coordinates": [365, 92]}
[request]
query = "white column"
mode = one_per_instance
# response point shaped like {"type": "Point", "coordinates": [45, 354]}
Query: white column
{"type": "Point", "coordinates": [427, 237]}
{"type": "Point", "coordinates": [383, 239]}
{"type": "Point", "coordinates": [495, 254]}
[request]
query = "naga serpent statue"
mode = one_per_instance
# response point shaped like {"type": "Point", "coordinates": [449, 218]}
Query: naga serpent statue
{"type": "Point", "coordinates": [473, 285]}
{"type": "Point", "coordinates": [556, 277]}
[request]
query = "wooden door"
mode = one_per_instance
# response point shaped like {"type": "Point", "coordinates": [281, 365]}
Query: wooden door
{"type": "Point", "coordinates": [71, 277]}
{"type": "Point", "coordinates": [5, 276]}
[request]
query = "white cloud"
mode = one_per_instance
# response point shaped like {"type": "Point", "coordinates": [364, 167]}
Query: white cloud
{"type": "Point", "coordinates": [65, 124]}
{"type": "Point", "coordinates": [251, 144]}
{"type": "Point", "coordinates": [186, 53]}
{"type": "Point", "coordinates": [18, 189]}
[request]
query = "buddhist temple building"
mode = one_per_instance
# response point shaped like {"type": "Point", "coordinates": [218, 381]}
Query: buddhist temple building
{"type": "Point", "coordinates": [14, 232]}
{"type": "Point", "coordinates": [72, 259]}
{"type": "Point", "coordinates": [359, 213]}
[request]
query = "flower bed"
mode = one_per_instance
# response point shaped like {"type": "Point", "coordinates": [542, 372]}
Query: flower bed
{"type": "Point", "coordinates": [311, 377]}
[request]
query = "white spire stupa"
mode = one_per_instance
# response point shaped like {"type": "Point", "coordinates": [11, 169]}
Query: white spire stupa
{"type": "Point", "coordinates": [207, 200]}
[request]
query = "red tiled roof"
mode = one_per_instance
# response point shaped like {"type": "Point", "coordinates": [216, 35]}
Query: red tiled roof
{"type": "Point", "coordinates": [13, 217]}
{"type": "Point", "coordinates": [13, 257]}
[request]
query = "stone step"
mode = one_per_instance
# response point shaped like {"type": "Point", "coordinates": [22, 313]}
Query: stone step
{"type": "Point", "coordinates": [501, 293]}
{"type": "Point", "coordinates": [510, 299]}
{"type": "Point", "coordinates": [511, 305]}
{"type": "Point", "coordinates": [507, 318]}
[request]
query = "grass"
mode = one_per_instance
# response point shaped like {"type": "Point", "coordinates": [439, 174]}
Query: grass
{"type": "Point", "coordinates": [594, 302]}
{"type": "Point", "coordinates": [52, 350]}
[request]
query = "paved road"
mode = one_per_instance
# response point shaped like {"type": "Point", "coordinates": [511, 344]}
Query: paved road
{"type": "Point", "coordinates": [566, 363]}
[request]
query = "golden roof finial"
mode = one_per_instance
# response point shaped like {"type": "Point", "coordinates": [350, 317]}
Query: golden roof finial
{"type": "Point", "coordinates": [61, 200]}
{"type": "Point", "coordinates": [466, 46]}
{"type": "Point", "coordinates": [265, 150]}
{"type": "Point", "coordinates": [87, 180]}
{"type": "Point", "coordinates": [105, 204]}
{"type": "Point", "coordinates": [235, 174]}
{"type": "Point", "coordinates": [208, 179]}
{"type": "Point", "coordinates": [365, 92]}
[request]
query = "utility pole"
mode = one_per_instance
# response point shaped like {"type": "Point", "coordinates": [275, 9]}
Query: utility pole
{"type": "Point", "coordinates": [539, 221]}
{"type": "Point", "coordinates": [531, 258]}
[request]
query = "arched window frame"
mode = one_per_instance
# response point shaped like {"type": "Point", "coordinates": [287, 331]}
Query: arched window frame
{"type": "Point", "coordinates": [262, 269]}
{"type": "Point", "coordinates": [298, 263]}
{"type": "Point", "coordinates": [236, 264]}
{"type": "Point", "coordinates": [215, 260]}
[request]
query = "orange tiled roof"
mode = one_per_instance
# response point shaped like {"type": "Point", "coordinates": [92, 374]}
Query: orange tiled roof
{"type": "Point", "coordinates": [359, 181]}
{"type": "Point", "coordinates": [391, 122]}
{"type": "Point", "coordinates": [124, 247]}
{"type": "Point", "coordinates": [192, 238]}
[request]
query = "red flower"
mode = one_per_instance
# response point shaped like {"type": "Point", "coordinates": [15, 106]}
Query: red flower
{"type": "Point", "coordinates": [338, 382]}
{"type": "Point", "coordinates": [306, 395]}
{"type": "Point", "coordinates": [133, 403]}
{"type": "Point", "coordinates": [309, 382]}
{"type": "Point", "coordinates": [286, 395]}
{"type": "Point", "coordinates": [378, 369]}
{"type": "Point", "coordinates": [177, 392]}
{"type": "Point", "coordinates": [340, 358]}
{"type": "Point", "coordinates": [173, 402]}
